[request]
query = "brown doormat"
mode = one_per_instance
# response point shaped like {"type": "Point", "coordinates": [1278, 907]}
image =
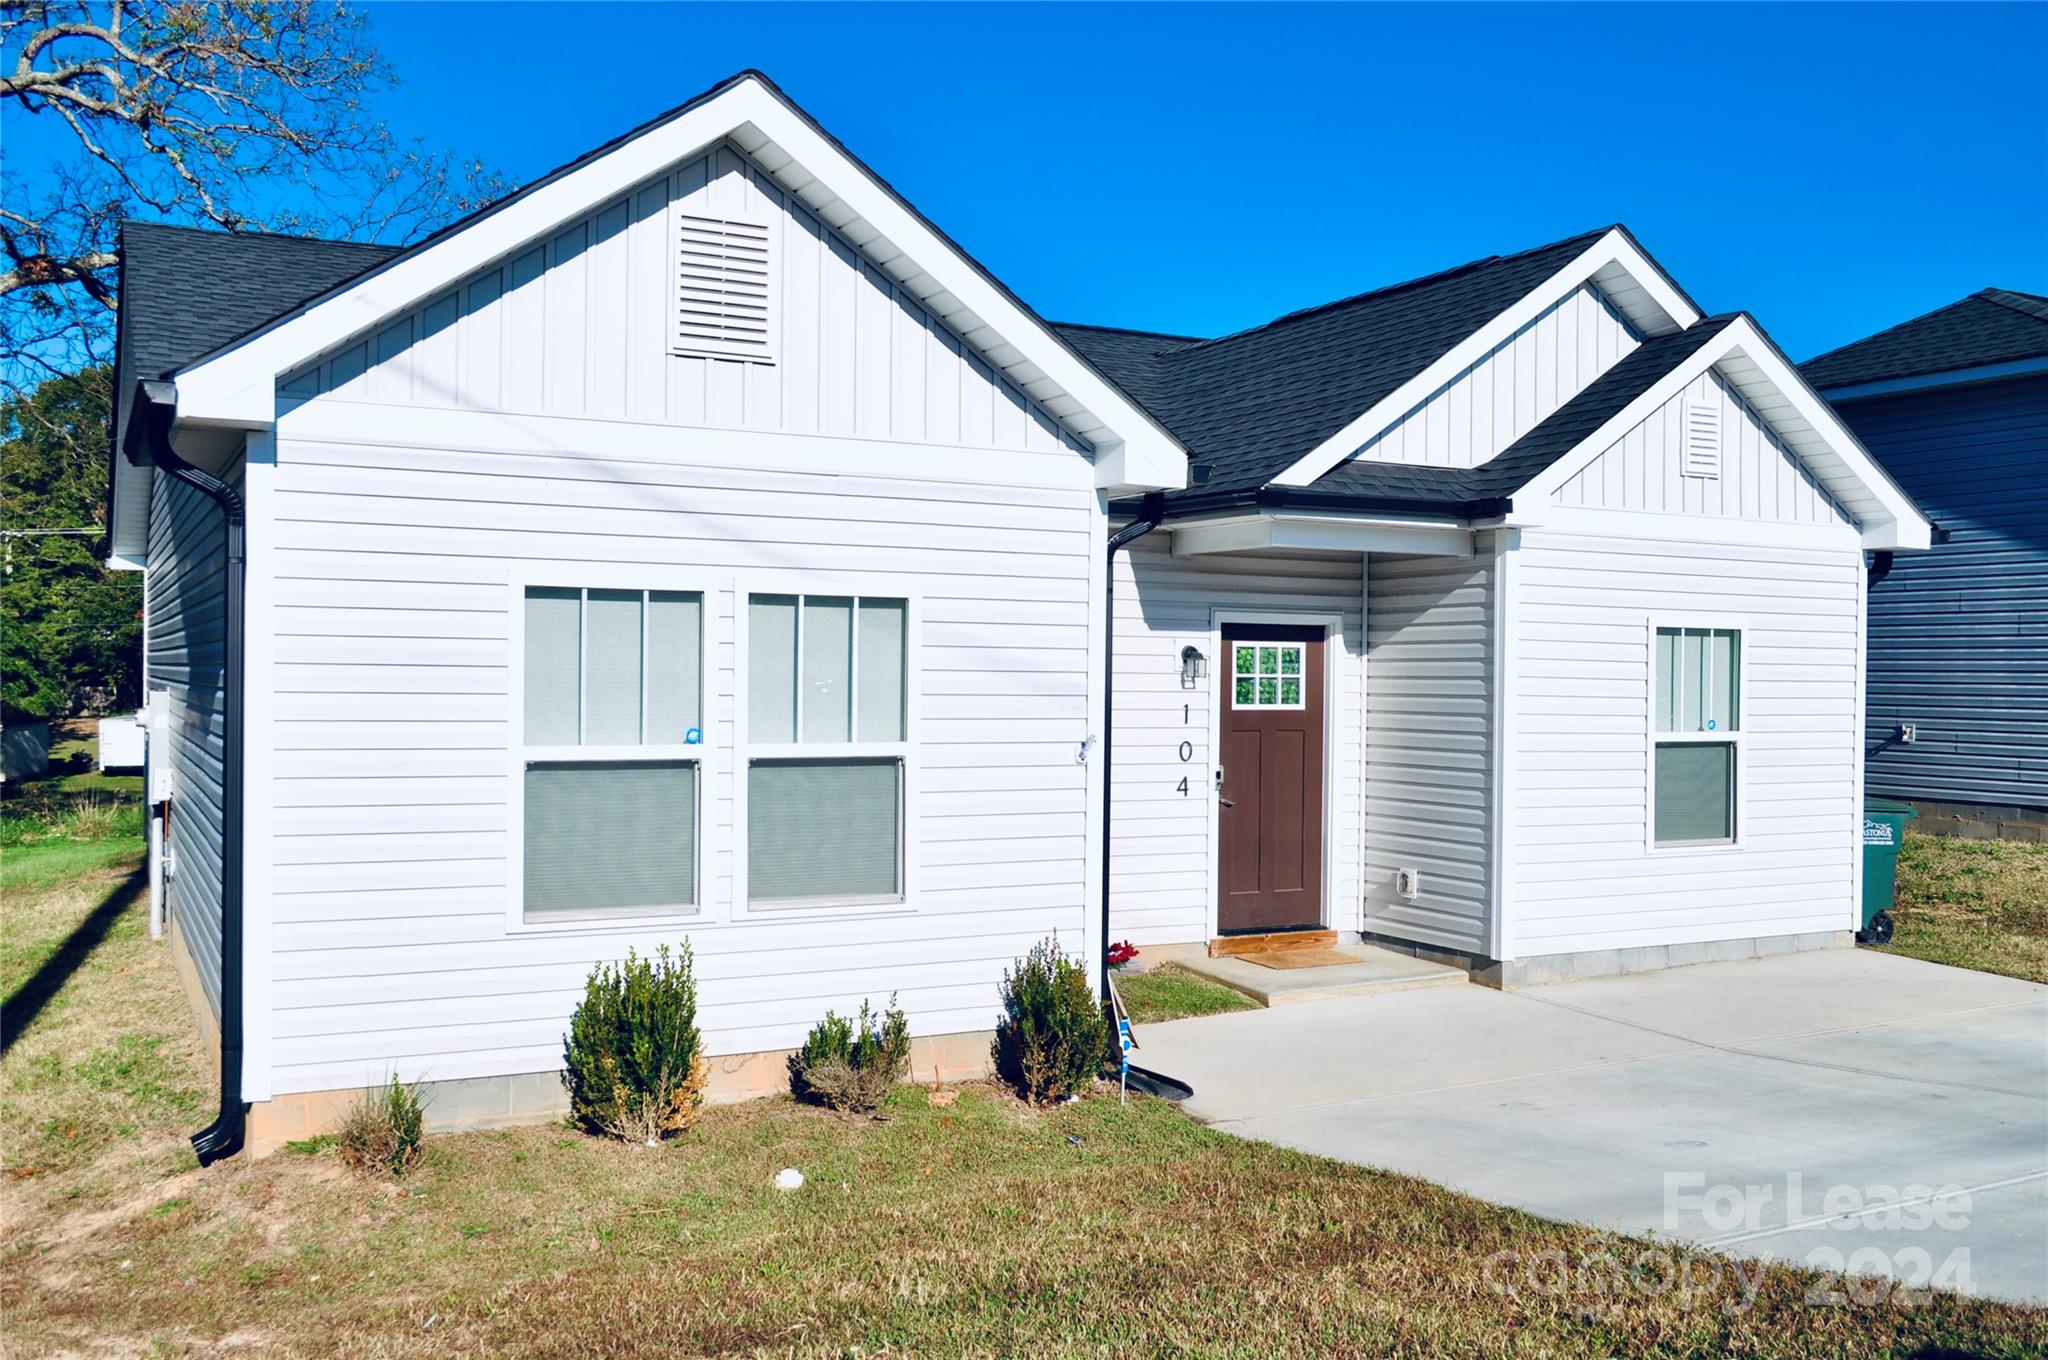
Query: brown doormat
{"type": "Point", "coordinates": [1300, 958]}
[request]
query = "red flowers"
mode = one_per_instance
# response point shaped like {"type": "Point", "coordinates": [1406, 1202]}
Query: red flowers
{"type": "Point", "coordinates": [1121, 953]}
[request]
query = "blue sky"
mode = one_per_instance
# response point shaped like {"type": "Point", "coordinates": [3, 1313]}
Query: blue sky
{"type": "Point", "coordinates": [1833, 168]}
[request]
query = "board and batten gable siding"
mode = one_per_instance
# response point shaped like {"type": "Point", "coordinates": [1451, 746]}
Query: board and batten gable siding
{"type": "Point", "coordinates": [186, 645]}
{"type": "Point", "coordinates": [1583, 874]}
{"type": "Point", "coordinates": [395, 939]}
{"type": "Point", "coordinates": [1959, 634]}
{"type": "Point", "coordinates": [1760, 478]}
{"type": "Point", "coordinates": [1161, 885]}
{"type": "Point", "coordinates": [1513, 388]}
{"type": "Point", "coordinates": [1429, 748]}
{"type": "Point", "coordinates": [581, 325]}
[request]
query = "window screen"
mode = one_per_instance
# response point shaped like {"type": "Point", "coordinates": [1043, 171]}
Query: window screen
{"type": "Point", "coordinates": [612, 838]}
{"type": "Point", "coordinates": [1695, 791]}
{"type": "Point", "coordinates": [824, 829]}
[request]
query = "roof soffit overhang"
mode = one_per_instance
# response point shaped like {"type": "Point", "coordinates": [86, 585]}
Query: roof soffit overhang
{"type": "Point", "coordinates": [1767, 380]}
{"type": "Point", "coordinates": [235, 386]}
{"type": "Point", "coordinates": [1632, 282]}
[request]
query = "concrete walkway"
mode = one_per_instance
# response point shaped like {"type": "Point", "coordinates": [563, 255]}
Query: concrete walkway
{"type": "Point", "coordinates": [1722, 1104]}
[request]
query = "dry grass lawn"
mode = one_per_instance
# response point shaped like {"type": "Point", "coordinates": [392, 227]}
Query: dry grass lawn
{"type": "Point", "coordinates": [978, 1228]}
{"type": "Point", "coordinates": [1974, 904]}
{"type": "Point", "coordinates": [1170, 992]}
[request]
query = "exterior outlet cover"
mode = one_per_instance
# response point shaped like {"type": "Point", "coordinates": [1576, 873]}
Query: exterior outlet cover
{"type": "Point", "coordinates": [1408, 883]}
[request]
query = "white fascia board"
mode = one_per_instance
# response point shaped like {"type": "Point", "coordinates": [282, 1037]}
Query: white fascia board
{"type": "Point", "coordinates": [1898, 524]}
{"type": "Point", "coordinates": [1613, 251]}
{"type": "Point", "coordinates": [1271, 530]}
{"type": "Point", "coordinates": [1954, 377]}
{"type": "Point", "coordinates": [236, 387]}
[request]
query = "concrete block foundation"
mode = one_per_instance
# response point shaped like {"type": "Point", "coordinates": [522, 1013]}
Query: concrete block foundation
{"type": "Point", "coordinates": [539, 1097]}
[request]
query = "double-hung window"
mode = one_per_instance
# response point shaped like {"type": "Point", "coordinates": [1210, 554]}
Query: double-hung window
{"type": "Point", "coordinates": [1697, 735]}
{"type": "Point", "coordinates": [826, 742]}
{"type": "Point", "coordinates": [611, 769]}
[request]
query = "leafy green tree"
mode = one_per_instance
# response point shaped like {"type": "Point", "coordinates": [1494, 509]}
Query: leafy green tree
{"type": "Point", "coordinates": [70, 630]}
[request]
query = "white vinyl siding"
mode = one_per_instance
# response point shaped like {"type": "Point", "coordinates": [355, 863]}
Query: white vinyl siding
{"type": "Point", "coordinates": [1757, 477]}
{"type": "Point", "coordinates": [186, 642]}
{"type": "Point", "coordinates": [1430, 677]}
{"type": "Point", "coordinates": [1586, 874]}
{"type": "Point", "coordinates": [582, 325]}
{"type": "Point", "coordinates": [400, 539]}
{"type": "Point", "coordinates": [1512, 388]}
{"type": "Point", "coordinates": [1161, 890]}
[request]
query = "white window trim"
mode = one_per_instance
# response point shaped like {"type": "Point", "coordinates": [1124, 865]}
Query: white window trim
{"type": "Point", "coordinates": [706, 755]}
{"type": "Point", "coordinates": [1737, 737]}
{"type": "Point", "coordinates": [745, 751]}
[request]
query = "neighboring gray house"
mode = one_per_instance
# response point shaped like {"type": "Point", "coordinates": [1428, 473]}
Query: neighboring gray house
{"type": "Point", "coordinates": [698, 545]}
{"type": "Point", "coordinates": [1955, 404]}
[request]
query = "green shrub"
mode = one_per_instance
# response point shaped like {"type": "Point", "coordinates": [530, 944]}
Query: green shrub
{"type": "Point", "coordinates": [851, 1064]}
{"type": "Point", "coordinates": [380, 1135]}
{"type": "Point", "coordinates": [1052, 1037]}
{"type": "Point", "coordinates": [633, 1059]}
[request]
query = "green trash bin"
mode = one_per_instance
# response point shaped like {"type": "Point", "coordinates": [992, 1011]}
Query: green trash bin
{"type": "Point", "coordinates": [1884, 829]}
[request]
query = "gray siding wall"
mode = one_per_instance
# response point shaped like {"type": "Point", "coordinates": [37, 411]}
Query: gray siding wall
{"type": "Point", "coordinates": [1429, 747]}
{"type": "Point", "coordinates": [1959, 635]}
{"type": "Point", "coordinates": [186, 585]}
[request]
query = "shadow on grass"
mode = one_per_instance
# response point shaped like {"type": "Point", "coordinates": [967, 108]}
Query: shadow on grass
{"type": "Point", "coordinates": [20, 1010]}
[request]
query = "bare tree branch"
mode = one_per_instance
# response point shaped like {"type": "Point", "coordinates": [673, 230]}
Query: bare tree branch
{"type": "Point", "coordinates": [244, 115]}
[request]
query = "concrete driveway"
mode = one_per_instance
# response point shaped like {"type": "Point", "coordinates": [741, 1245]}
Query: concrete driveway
{"type": "Point", "coordinates": [1751, 1107]}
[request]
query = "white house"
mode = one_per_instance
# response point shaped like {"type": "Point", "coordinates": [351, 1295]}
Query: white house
{"type": "Point", "coordinates": [699, 545]}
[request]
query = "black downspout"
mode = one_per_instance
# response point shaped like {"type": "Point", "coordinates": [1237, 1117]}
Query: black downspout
{"type": "Point", "coordinates": [1150, 511]}
{"type": "Point", "coordinates": [223, 1137]}
{"type": "Point", "coordinates": [1880, 567]}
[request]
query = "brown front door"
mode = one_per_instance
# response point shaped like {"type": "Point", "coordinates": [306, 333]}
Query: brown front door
{"type": "Point", "coordinates": [1271, 819]}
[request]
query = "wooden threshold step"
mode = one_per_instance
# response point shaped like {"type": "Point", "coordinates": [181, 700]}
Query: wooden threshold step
{"type": "Point", "coordinates": [1236, 946]}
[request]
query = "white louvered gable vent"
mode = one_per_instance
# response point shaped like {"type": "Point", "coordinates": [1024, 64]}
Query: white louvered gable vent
{"type": "Point", "coordinates": [1702, 439]}
{"type": "Point", "coordinates": [723, 303]}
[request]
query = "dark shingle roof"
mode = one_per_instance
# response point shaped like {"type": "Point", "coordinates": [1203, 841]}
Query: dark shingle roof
{"type": "Point", "coordinates": [1248, 405]}
{"type": "Point", "coordinates": [186, 292]}
{"type": "Point", "coordinates": [1994, 326]}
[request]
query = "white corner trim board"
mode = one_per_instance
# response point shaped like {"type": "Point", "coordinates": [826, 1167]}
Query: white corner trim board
{"type": "Point", "coordinates": [1889, 518]}
{"type": "Point", "coordinates": [235, 387]}
{"type": "Point", "coordinates": [1611, 256]}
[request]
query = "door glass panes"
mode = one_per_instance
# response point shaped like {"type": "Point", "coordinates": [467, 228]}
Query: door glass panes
{"type": "Point", "coordinates": [1268, 675]}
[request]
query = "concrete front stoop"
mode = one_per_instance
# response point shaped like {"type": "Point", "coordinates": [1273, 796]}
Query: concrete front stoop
{"type": "Point", "coordinates": [1375, 971]}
